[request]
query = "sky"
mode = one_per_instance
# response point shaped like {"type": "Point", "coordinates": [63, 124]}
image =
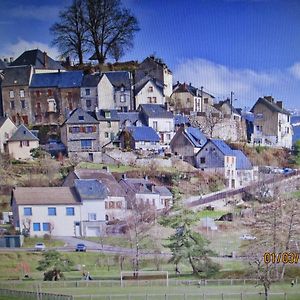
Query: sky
{"type": "Point", "coordinates": [250, 47]}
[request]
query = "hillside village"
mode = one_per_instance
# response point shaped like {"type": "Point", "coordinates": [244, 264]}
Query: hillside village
{"type": "Point", "coordinates": [136, 117]}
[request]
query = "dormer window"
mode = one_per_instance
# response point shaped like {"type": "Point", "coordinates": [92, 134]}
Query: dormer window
{"type": "Point", "coordinates": [81, 118]}
{"type": "Point", "coordinates": [22, 93]}
{"type": "Point", "coordinates": [122, 89]}
{"type": "Point", "coordinates": [107, 114]}
{"type": "Point", "coordinates": [150, 89]}
{"type": "Point", "coordinates": [11, 94]}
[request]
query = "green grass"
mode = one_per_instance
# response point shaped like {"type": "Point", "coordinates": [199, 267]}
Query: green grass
{"type": "Point", "coordinates": [214, 214]}
{"type": "Point", "coordinates": [296, 194]}
{"type": "Point", "coordinates": [30, 242]}
{"type": "Point", "coordinates": [112, 168]}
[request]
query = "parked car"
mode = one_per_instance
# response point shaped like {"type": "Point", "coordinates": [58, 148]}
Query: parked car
{"type": "Point", "coordinates": [288, 171]}
{"type": "Point", "coordinates": [80, 248]}
{"type": "Point", "coordinates": [247, 237]}
{"type": "Point", "coordinates": [39, 247]}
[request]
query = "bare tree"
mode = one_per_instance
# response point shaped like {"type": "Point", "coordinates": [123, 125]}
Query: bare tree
{"type": "Point", "coordinates": [26, 226]}
{"type": "Point", "coordinates": [111, 28]}
{"type": "Point", "coordinates": [70, 32]}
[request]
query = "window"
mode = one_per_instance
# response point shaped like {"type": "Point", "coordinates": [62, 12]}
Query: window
{"type": "Point", "coordinates": [11, 94]}
{"type": "Point", "coordinates": [107, 114]}
{"type": "Point", "coordinates": [106, 134]}
{"type": "Point", "coordinates": [87, 92]}
{"type": "Point", "coordinates": [46, 226]}
{"type": "Point", "coordinates": [27, 211]}
{"type": "Point", "coordinates": [155, 125]}
{"type": "Point", "coordinates": [38, 94]}
{"type": "Point", "coordinates": [108, 124]}
{"type": "Point", "coordinates": [89, 129]}
{"type": "Point", "coordinates": [111, 204]}
{"type": "Point", "coordinates": [150, 89]}
{"type": "Point", "coordinates": [51, 211]}
{"type": "Point", "coordinates": [22, 93]}
{"type": "Point", "coordinates": [92, 217]}
{"type": "Point", "coordinates": [49, 93]}
{"type": "Point", "coordinates": [36, 227]}
{"type": "Point", "coordinates": [86, 144]}
{"type": "Point", "coordinates": [122, 98]}
{"type": "Point", "coordinates": [24, 144]}
{"type": "Point", "coordinates": [205, 100]}
{"type": "Point", "coordinates": [149, 100]}
{"type": "Point", "coordinates": [88, 103]}
{"type": "Point", "coordinates": [12, 104]}
{"type": "Point", "coordinates": [70, 211]}
{"type": "Point", "coordinates": [154, 100]}
{"type": "Point", "coordinates": [287, 130]}
{"type": "Point", "coordinates": [122, 89]}
{"type": "Point", "coordinates": [188, 100]}
{"type": "Point", "coordinates": [168, 136]}
{"type": "Point", "coordinates": [23, 104]}
{"type": "Point", "coordinates": [202, 160]}
{"type": "Point", "coordinates": [81, 118]}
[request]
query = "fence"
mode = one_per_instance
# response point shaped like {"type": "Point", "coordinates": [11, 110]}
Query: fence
{"type": "Point", "coordinates": [34, 295]}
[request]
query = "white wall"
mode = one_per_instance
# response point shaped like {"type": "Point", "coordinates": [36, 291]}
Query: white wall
{"type": "Point", "coordinates": [23, 152]}
{"type": "Point", "coordinates": [93, 206]}
{"type": "Point", "coordinates": [105, 94]}
{"type": "Point", "coordinates": [6, 131]}
{"type": "Point", "coordinates": [144, 94]}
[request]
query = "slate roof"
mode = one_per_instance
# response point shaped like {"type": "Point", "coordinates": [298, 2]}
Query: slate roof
{"type": "Point", "coordinates": [16, 76]}
{"type": "Point", "coordinates": [23, 134]}
{"type": "Point", "coordinates": [155, 83]}
{"type": "Point", "coordinates": [183, 88]}
{"type": "Point", "coordinates": [156, 111]}
{"type": "Point", "coordinates": [271, 105]}
{"type": "Point", "coordinates": [119, 78]}
{"type": "Point", "coordinates": [113, 187]}
{"type": "Point", "coordinates": [79, 116]}
{"type": "Point", "coordinates": [90, 189]}
{"type": "Point", "coordinates": [222, 146]}
{"type": "Point", "coordinates": [90, 80]}
{"type": "Point", "coordinates": [242, 161]}
{"type": "Point", "coordinates": [45, 196]}
{"type": "Point", "coordinates": [2, 120]}
{"type": "Point", "coordinates": [133, 117]}
{"type": "Point", "coordinates": [36, 58]}
{"type": "Point", "coordinates": [181, 120]}
{"type": "Point", "coordinates": [195, 135]}
{"type": "Point", "coordinates": [163, 191]}
{"type": "Point", "coordinates": [3, 64]}
{"type": "Point", "coordinates": [70, 79]}
{"type": "Point", "coordinates": [114, 115]}
{"type": "Point", "coordinates": [143, 133]}
{"type": "Point", "coordinates": [226, 102]}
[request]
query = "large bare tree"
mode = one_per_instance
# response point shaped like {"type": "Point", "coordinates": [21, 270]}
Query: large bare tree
{"type": "Point", "coordinates": [70, 32]}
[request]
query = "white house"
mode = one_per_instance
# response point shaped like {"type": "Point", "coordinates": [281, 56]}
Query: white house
{"type": "Point", "coordinates": [7, 128]}
{"type": "Point", "coordinates": [161, 120]}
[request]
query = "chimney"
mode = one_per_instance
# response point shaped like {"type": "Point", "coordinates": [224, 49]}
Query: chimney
{"type": "Point", "coordinates": [190, 84]}
{"type": "Point", "coordinates": [177, 82]}
{"type": "Point", "coordinates": [279, 104]}
{"type": "Point", "coordinates": [11, 59]}
{"type": "Point", "coordinates": [146, 177]}
{"type": "Point", "coordinates": [45, 60]}
{"type": "Point", "coordinates": [5, 59]}
{"type": "Point", "coordinates": [124, 176]}
{"type": "Point", "coordinates": [106, 168]}
{"type": "Point", "coordinates": [269, 98]}
{"type": "Point", "coordinates": [153, 188]}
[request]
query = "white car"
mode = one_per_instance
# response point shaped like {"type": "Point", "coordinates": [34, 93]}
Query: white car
{"type": "Point", "coordinates": [247, 237]}
{"type": "Point", "coordinates": [39, 247]}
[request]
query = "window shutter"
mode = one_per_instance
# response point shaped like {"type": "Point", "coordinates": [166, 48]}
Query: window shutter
{"type": "Point", "coordinates": [94, 128]}
{"type": "Point", "coordinates": [70, 129]}
{"type": "Point", "coordinates": [81, 129]}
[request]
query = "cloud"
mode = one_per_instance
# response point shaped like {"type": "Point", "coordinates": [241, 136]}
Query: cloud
{"type": "Point", "coordinates": [40, 13]}
{"type": "Point", "coordinates": [14, 50]}
{"type": "Point", "coordinates": [220, 80]}
{"type": "Point", "coordinates": [295, 70]}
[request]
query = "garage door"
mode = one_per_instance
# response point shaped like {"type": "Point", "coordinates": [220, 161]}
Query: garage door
{"type": "Point", "coordinates": [92, 231]}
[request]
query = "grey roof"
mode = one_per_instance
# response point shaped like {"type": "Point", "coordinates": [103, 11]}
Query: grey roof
{"type": "Point", "coordinates": [242, 161]}
{"type": "Point", "coordinates": [16, 76]}
{"type": "Point", "coordinates": [119, 78]}
{"type": "Point", "coordinates": [114, 115]}
{"type": "Point", "coordinates": [196, 136]}
{"type": "Point", "coordinates": [156, 111]}
{"type": "Point", "coordinates": [133, 117]}
{"type": "Point", "coordinates": [183, 88]}
{"type": "Point", "coordinates": [271, 105]}
{"type": "Point", "coordinates": [23, 134]}
{"type": "Point", "coordinates": [226, 102]}
{"type": "Point", "coordinates": [163, 191]}
{"type": "Point", "coordinates": [90, 189]}
{"type": "Point", "coordinates": [36, 58]}
{"type": "Point", "coordinates": [79, 116]}
{"type": "Point", "coordinates": [143, 133]}
{"type": "Point", "coordinates": [90, 80]}
{"type": "Point", "coordinates": [155, 83]}
{"type": "Point", "coordinates": [2, 120]}
{"type": "Point", "coordinates": [222, 146]}
{"type": "Point", "coordinates": [70, 79]}
{"type": "Point", "coordinates": [181, 119]}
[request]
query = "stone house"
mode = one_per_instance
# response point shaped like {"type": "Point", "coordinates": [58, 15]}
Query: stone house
{"type": "Point", "coordinates": [187, 142]}
{"type": "Point", "coordinates": [80, 135]}
{"type": "Point", "coordinates": [7, 128]}
{"type": "Point", "coordinates": [54, 95]}
{"type": "Point", "coordinates": [142, 191]}
{"type": "Point", "coordinates": [188, 99]}
{"type": "Point", "coordinates": [149, 92]}
{"type": "Point", "coordinates": [21, 143]}
{"type": "Point", "coordinates": [272, 124]}
{"type": "Point", "coordinates": [161, 120]}
{"type": "Point", "coordinates": [114, 91]}
{"type": "Point", "coordinates": [15, 94]}
{"type": "Point", "coordinates": [155, 69]}
{"type": "Point", "coordinates": [89, 91]}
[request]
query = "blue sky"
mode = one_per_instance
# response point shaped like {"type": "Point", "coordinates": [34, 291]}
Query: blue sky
{"type": "Point", "coordinates": [249, 46]}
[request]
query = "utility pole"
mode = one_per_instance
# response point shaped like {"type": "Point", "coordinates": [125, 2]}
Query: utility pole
{"type": "Point", "coordinates": [231, 100]}
{"type": "Point", "coordinates": [201, 93]}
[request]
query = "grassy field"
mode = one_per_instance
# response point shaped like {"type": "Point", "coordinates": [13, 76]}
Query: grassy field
{"type": "Point", "coordinates": [30, 242]}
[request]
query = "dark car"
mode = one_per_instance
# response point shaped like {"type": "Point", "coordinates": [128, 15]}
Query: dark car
{"type": "Point", "coordinates": [80, 248]}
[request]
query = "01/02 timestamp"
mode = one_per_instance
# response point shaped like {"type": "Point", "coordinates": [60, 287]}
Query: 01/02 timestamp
{"type": "Point", "coordinates": [284, 257]}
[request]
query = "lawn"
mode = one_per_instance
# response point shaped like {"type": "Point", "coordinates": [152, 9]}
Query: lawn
{"type": "Point", "coordinates": [112, 168]}
{"type": "Point", "coordinates": [30, 242]}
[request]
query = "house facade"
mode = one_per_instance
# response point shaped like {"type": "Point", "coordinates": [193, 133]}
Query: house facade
{"type": "Point", "coordinates": [21, 143]}
{"type": "Point", "coordinates": [80, 135]}
{"type": "Point", "coordinates": [272, 124]}
{"type": "Point", "coordinates": [7, 128]}
{"type": "Point", "coordinates": [89, 91]}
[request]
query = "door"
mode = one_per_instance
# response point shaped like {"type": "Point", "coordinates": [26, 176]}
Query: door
{"type": "Point", "coordinates": [91, 157]}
